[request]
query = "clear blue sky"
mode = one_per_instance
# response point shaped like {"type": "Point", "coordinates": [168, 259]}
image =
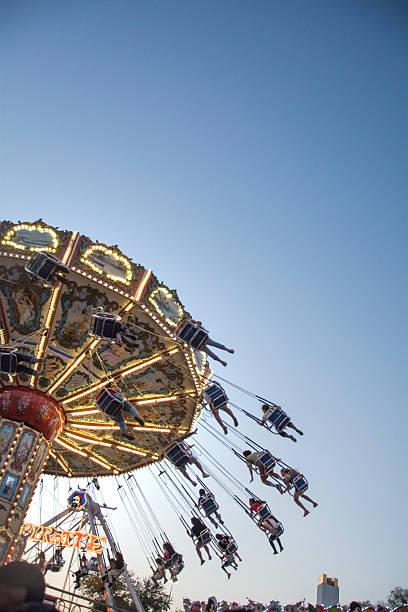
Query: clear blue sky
{"type": "Point", "coordinates": [251, 154]}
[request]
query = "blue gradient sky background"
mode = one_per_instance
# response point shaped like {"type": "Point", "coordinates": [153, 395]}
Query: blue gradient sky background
{"type": "Point", "coordinates": [251, 154]}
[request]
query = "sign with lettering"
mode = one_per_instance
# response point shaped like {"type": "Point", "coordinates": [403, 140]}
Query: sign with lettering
{"type": "Point", "coordinates": [87, 542]}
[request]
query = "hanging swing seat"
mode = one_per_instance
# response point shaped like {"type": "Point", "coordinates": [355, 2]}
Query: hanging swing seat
{"type": "Point", "coordinates": [8, 361]}
{"type": "Point", "coordinates": [209, 505]}
{"type": "Point", "coordinates": [108, 404]}
{"type": "Point", "coordinates": [279, 531]}
{"type": "Point", "coordinates": [177, 454]}
{"type": "Point", "coordinates": [192, 334]}
{"type": "Point", "coordinates": [215, 396]}
{"type": "Point", "coordinates": [263, 513]}
{"type": "Point", "coordinates": [43, 268]}
{"type": "Point", "coordinates": [276, 418]}
{"type": "Point", "coordinates": [177, 564]}
{"type": "Point", "coordinates": [204, 538]}
{"type": "Point", "coordinates": [231, 548]}
{"type": "Point", "coordinates": [104, 325]}
{"type": "Point", "coordinates": [299, 483]}
{"type": "Point", "coordinates": [267, 461]}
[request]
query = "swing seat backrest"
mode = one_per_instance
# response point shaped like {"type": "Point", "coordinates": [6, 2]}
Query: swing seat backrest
{"type": "Point", "coordinates": [263, 513]}
{"type": "Point", "coordinates": [280, 529]}
{"type": "Point", "coordinates": [267, 461]}
{"type": "Point", "coordinates": [176, 453]}
{"type": "Point", "coordinates": [43, 267]}
{"type": "Point", "coordinates": [215, 396]}
{"type": "Point", "coordinates": [277, 417]}
{"type": "Point", "coordinates": [8, 363]}
{"type": "Point", "coordinates": [231, 548]}
{"type": "Point", "coordinates": [192, 334]}
{"type": "Point", "coordinates": [104, 326]}
{"type": "Point", "coordinates": [204, 537]}
{"type": "Point", "coordinates": [299, 483]}
{"type": "Point", "coordinates": [209, 506]}
{"type": "Point", "coordinates": [108, 404]}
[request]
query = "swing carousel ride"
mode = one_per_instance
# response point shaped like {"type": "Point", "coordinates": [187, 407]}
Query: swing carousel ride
{"type": "Point", "coordinates": [103, 372]}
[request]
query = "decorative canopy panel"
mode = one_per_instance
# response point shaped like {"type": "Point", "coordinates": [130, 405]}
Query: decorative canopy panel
{"type": "Point", "coordinates": [160, 376]}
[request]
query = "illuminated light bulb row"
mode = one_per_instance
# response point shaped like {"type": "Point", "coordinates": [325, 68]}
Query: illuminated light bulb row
{"type": "Point", "coordinates": [158, 321]}
{"type": "Point", "coordinates": [126, 372]}
{"type": "Point", "coordinates": [100, 282]}
{"type": "Point", "coordinates": [73, 366]}
{"type": "Point", "coordinates": [38, 228]}
{"type": "Point", "coordinates": [115, 255]}
{"type": "Point", "coordinates": [61, 463]}
{"type": "Point", "coordinates": [88, 455]}
{"type": "Point", "coordinates": [141, 366]}
{"type": "Point", "coordinates": [142, 285]}
{"type": "Point", "coordinates": [70, 448]}
{"type": "Point", "coordinates": [47, 325]}
{"type": "Point", "coordinates": [89, 440]}
{"type": "Point", "coordinates": [84, 412]}
{"type": "Point", "coordinates": [70, 248]}
{"type": "Point", "coordinates": [15, 255]}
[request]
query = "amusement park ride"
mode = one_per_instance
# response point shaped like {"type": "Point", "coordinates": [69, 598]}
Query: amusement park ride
{"type": "Point", "coordinates": [87, 338]}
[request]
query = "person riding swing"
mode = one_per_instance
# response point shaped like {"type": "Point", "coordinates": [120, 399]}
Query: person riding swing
{"type": "Point", "coordinates": [275, 417]}
{"type": "Point", "coordinates": [193, 333]}
{"type": "Point", "coordinates": [111, 402]}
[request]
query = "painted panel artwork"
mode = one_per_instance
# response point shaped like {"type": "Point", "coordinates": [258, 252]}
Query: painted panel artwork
{"type": "Point", "coordinates": [24, 496]}
{"type": "Point", "coordinates": [8, 485]}
{"type": "Point", "coordinates": [22, 452]}
{"type": "Point", "coordinates": [31, 238]}
{"type": "Point", "coordinates": [108, 263]}
{"type": "Point", "coordinates": [6, 434]}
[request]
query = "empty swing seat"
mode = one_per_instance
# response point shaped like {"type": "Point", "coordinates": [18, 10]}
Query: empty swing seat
{"type": "Point", "coordinates": [108, 404]}
{"type": "Point", "coordinates": [277, 418]}
{"type": "Point", "coordinates": [204, 538]}
{"type": "Point", "coordinates": [104, 325]}
{"type": "Point", "coordinates": [216, 396]}
{"type": "Point", "coordinates": [176, 453]}
{"type": "Point", "coordinates": [8, 362]}
{"type": "Point", "coordinates": [209, 505]}
{"type": "Point", "coordinates": [267, 461]}
{"type": "Point", "coordinates": [299, 483]}
{"type": "Point", "coordinates": [192, 334]}
{"type": "Point", "coordinates": [44, 266]}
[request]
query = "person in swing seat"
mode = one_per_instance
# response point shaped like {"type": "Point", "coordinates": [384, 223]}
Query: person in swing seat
{"type": "Point", "coordinates": [253, 460]}
{"type": "Point", "coordinates": [196, 531]}
{"type": "Point", "coordinates": [269, 525]}
{"type": "Point", "coordinates": [270, 413]}
{"type": "Point", "coordinates": [205, 497]}
{"type": "Point", "coordinates": [208, 342]}
{"type": "Point", "coordinates": [160, 571]}
{"type": "Point", "coordinates": [114, 409]}
{"type": "Point", "coordinates": [15, 362]}
{"type": "Point", "coordinates": [292, 479]}
{"type": "Point", "coordinates": [186, 457]}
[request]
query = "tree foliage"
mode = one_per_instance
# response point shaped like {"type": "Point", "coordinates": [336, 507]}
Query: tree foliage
{"type": "Point", "coordinates": [397, 597]}
{"type": "Point", "coordinates": [152, 596]}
